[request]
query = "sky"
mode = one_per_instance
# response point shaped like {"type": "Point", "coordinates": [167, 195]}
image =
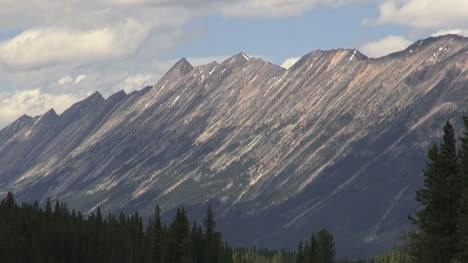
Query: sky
{"type": "Point", "coordinates": [54, 53]}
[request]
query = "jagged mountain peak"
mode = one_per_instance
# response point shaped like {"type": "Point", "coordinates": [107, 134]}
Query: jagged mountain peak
{"type": "Point", "coordinates": [436, 42]}
{"type": "Point", "coordinates": [82, 106]}
{"type": "Point", "coordinates": [46, 118]}
{"type": "Point", "coordinates": [19, 123]}
{"type": "Point", "coordinates": [206, 66]}
{"type": "Point", "coordinates": [448, 43]}
{"type": "Point", "coordinates": [356, 55]}
{"type": "Point", "coordinates": [51, 112]}
{"type": "Point", "coordinates": [95, 97]}
{"type": "Point", "coordinates": [242, 55]}
{"type": "Point", "coordinates": [23, 117]}
{"type": "Point", "coordinates": [119, 95]}
{"type": "Point", "coordinates": [181, 67]}
{"type": "Point", "coordinates": [320, 57]}
{"type": "Point", "coordinates": [239, 58]}
{"type": "Point", "coordinates": [23, 122]}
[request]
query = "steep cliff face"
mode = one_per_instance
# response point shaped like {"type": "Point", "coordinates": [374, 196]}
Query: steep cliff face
{"type": "Point", "coordinates": [338, 140]}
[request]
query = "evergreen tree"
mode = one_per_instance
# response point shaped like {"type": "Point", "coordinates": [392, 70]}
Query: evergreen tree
{"type": "Point", "coordinates": [211, 246]}
{"type": "Point", "coordinates": [325, 247]}
{"type": "Point", "coordinates": [462, 245]}
{"type": "Point", "coordinates": [156, 237]}
{"type": "Point", "coordinates": [209, 223]}
{"type": "Point", "coordinates": [313, 250]}
{"type": "Point", "coordinates": [440, 199]}
{"type": "Point", "coordinates": [300, 254]}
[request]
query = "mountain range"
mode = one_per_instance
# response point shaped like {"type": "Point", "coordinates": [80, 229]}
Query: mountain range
{"type": "Point", "coordinates": [338, 140]}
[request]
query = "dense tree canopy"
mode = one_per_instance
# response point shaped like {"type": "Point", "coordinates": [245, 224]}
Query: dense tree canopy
{"type": "Point", "coordinates": [29, 233]}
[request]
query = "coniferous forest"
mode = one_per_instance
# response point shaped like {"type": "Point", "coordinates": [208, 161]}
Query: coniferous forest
{"type": "Point", "coordinates": [54, 234]}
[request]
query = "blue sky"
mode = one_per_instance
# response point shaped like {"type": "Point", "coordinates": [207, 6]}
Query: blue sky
{"type": "Point", "coordinates": [54, 53]}
{"type": "Point", "coordinates": [281, 38]}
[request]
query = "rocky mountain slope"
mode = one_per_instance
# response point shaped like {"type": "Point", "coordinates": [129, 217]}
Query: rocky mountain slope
{"type": "Point", "coordinates": [338, 140]}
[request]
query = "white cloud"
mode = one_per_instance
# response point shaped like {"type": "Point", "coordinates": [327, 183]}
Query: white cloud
{"type": "Point", "coordinates": [94, 13]}
{"type": "Point", "coordinates": [64, 80]}
{"type": "Point", "coordinates": [289, 62]}
{"type": "Point", "coordinates": [385, 46]}
{"type": "Point", "coordinates": [275, 8]}
{"type": "Point", "coordinates": [461, 32]}
{"type": "Point", "coordinates": [80, 78]}
{"type": "Point", "coordinates": [49, 46]}
{"type": "Point", "coordinates": [135, 82]}
{"type": "Point", "coordinates": [33, 102]}
{"type": "Point", "coordinates": [424, 13]}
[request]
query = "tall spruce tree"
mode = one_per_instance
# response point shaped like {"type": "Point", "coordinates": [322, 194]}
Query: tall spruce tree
{"type": "Point", "coordinates": [156, 235]}
{"type": "Point", "coordinates": [211, 253]}
{"type": "Point", "coordinates": [325, 247]}
{"type": "Point", "coordinates": [300, 253]}
{"type": "Point", "coordinates": [462, 245]}
{"type": "Point", "coordinates": [313, 250]}
{"type": "Point", "coordinates": [209, 223]}
{"type": "Point", "coordinates": [436, 221]}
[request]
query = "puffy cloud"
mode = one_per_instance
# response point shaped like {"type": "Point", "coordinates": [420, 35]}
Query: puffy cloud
{"type": "Point", "coordinates": [79, 14]}
{"type": "Point", "coordinates": [49, 46]}
{"type": "Point", "coordinates": [33, 102]}
{"type": "Point", "coordinates": [68, 79]}
{"type": "Point", "coordinates": [65, 80]}
{"type": "Point", "coordinates": [80, 78]}
{"type": "Point", "coordinates": [275, 8]}
{"type": "Point", "coordinates": [289, 62]}
{"type": "Point", "coordinates": [74, 32]}
{"type": "Point", "coordinates": [461, 32]}
{"type": "Point", "coordinates": [385, 46]}
{"type": "Point", "coordinates": [424, 13]}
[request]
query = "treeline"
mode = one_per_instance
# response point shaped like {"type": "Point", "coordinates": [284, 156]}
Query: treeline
{"type": "Point", "coordinates": [54, 234]}
{"type": "Point", "coordinates": [29, 233]}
